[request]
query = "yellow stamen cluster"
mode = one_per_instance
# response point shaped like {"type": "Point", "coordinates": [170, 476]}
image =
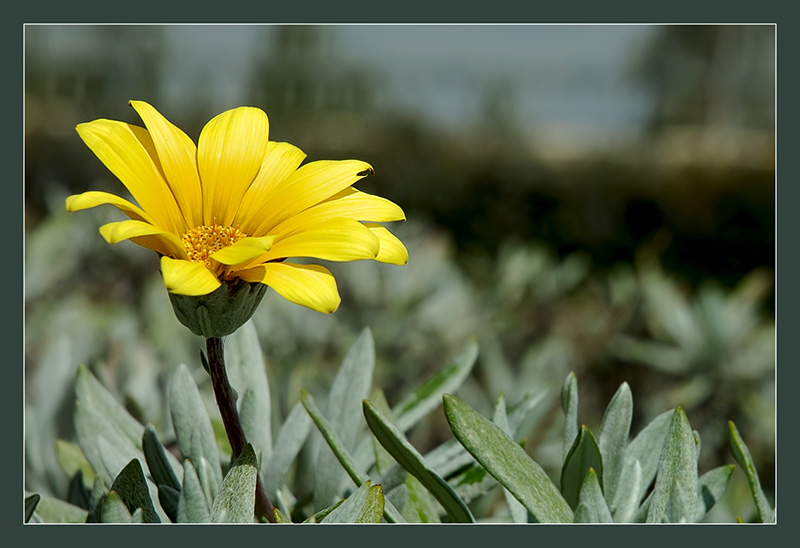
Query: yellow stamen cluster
{"type": "Point", "coordinates": [202, 241]}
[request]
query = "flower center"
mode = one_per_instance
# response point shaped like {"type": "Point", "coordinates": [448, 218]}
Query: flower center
{"type": "Point", "coordinates": [202, 241]}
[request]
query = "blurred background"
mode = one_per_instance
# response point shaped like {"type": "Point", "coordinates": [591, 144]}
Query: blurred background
{"type": "Point", "coordinates": [596, 199]}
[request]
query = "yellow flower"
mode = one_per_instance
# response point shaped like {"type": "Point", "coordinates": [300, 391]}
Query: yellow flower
{"type": "Point", "coordinates": [234, 207]}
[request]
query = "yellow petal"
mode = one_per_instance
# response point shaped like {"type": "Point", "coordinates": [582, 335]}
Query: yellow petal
{"type": "Point", "coordinates": [336, 240]}
{"type": "Point", "coordinates": [177, 154]}
{"type": "Point", "coordinates": [123, 148]}
{"type": "Point", "coordinates": [94, 198]}
{"type": "Point", "coordinates": [309, 185]}
{"type": "Point", "coordinates": [229, 154]}
{"type": "Point", "coordinates": [244, 250]}
{"type": "Point", "coordinates": [349, 204]}
{"type": "Point", "coordinates": [312, 286]}
{"type": "Point", "coordinates": [187, 277]}
{"type": "Point", "coordinates": [392, 249]}
{"type": "Point", "coordinates": [145, 235]}
{"type": "Point", "coordinates": [280, 161]}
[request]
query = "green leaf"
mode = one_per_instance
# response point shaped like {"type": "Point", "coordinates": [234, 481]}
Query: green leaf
{"type": "Point", "coordinates": [72, 460]}
{"type": "Point", "coordinates": [159, 464]}
{"type": "Point", "coordinates": [291, 437]}
{"type": "Point", "coordinates": [192, 506]}
{"type": "Point", "coordinates": [406, 456]}
{"type": "Point", "coordinates": [710, 488]}
{"type": "Point", "coordinates": [30, 505]}
{"type": "Point", "coordinates": [628, 499]}
{"type": "Point", "coordinates": [280, 518]}
{"type": "Point", "coordinates": [52, 510]}
{"type": "Point", "coordinates": [420, 506]}
{"type": "Point", "coordinates": [193, 428]}
{"type": "Point", "coordinates": [169, 499]}
{"type": "Point", "coordinates": [742, 455]}
{"type": "Point", "coordinates": [612, 438]}
{"type": "Point", "coordinates": [350, 386]}
{"type": "Point", "coordinates": [427, 397]}
{"type": "Point", "coordinates": [247, 374]}
{"type": "Point", "coordinates": [236, 499]}
{"type": "Point", "coordinates": [342, 454]}
{"type": "Point", "coordinates": [519, 514]}
{"type": "Point", "coordinates": [646, 449]}
{"type": "Point", "coordinates": [95, 396]}
{"type": "Point", "coordinates": [592, 507]}
{"type": "Point", "coordinates": [504, 459]}
{"type": "Point", "coordinates": [363, 506]}
{"type": "Point", "coordinates": [114, 510]}
{"type": "Point", "coordinates": [583, 455]}
{"type": "Point", "coordinates": [133, 490]}
{"type": "Point", "coordinates": [675, 492]}
{"type": "Point", "coordinates": [569, 403]}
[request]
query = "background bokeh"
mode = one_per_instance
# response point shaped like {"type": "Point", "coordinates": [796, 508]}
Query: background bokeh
{"type": "Point", "coordinates": [597, 199]}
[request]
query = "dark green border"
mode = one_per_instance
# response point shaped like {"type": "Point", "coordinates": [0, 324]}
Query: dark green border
{"type": "Point", "coordinates": [406, 12]}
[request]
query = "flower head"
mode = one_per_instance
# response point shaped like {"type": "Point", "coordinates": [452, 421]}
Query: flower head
{"type": "Point", "coordinates": [236, 206]}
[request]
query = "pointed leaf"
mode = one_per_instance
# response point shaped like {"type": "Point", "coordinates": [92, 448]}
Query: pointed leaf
{"type": "Point", "coordinates": [742, 455]}
{"type": "Point", "coordinates": [113, 510]}
{"type": "Point", "coordinates": [192, 506]}
{"type": "Point", "coordinates": [159, 464]}
{"type": "Point", "coordinates": [675, 492]}
{"type": "Point", "coordinates": [350, 386]}
{"type": "Point", "coordinates": [404, 453]}
{"type": "Point", "coordinates": [507, 462]}
{"type": "Point", "coordinates": [342, 454]}
{"type": "Point", "coordinates": [583, 455]}
{"type": "Point", "coordinates": [133, 490]}
{"type": "Point", "coordinates": [236, 499]}
{"type": "Point", "coordinates": [169, 499]}
{"type": "Point", "coordinates": [30, 505]}
{"type": "Point", "coordinates": [193, 427]}
{"type": "Point", "coordinates": [519, 514]}
{"type": "Point", "coordinates": [360, 507]}
{"type": "Point", "coordinates": [569, 403]}
{"type": "Point", "coordinates": [592, 507]}
{"type": "Point", "coordinates": [613, 438]}
{"type": "Point", "coordinates": [710, 488]}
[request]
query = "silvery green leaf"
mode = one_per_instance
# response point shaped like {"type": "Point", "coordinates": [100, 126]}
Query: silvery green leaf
{"type": "Point", "coordinates": [519, 412]}
{"type": "Point", "coordinates": [365, 505]}
{"type": "Point", "coordinates": [583, 455]}
{"type": "Point", "coordinates": [192, 506]}
{"type": "Point", "coordinates": [613, 437]}
{"type": "Point", "coordinates": [159, 461]}
{"type": "Point", "coordinates": [519, 514]}
{"type": "Point", "coordinates": [72, 460]}
{"type": "Point", "coordinates": [404, 453]}
{"type": "Point", "coordinates": [113, 510]}
{"type": "Point", "coordinates": [247, 374]}
{"type": "Point", "coordinates": [420, 506]}
{"type": "Point", "coordinates": [94, 395]}
{"type": "Point", "coordinates": [342, 454]}
{"type": "Point", "coordinates": [628, 501]}
{"type": "Point", "coordinates": [350, 386]}
{"type": "Point", "coordinates": [52, 510]}
{"type": "Point", "coordinates": [675, 491]}
{"type": "Point", "coordinates": [646, 449]}
{"type": "Point", "coordinates": [710, 488]}
{"type": "Point", "coordinates": [113, 457]}
{"type": "Point", "coordinates": [291, 437]}
{"type": "Point", "coordinates": [134, 491]}
{"type": "Point", "coordinates": [742, 455]}
{"type": "Point", "coordinates": [236, 499]}
{"type": "Point", "coordinates": [428, 397]}
{"type": "Point", "coordinates": [504, 459]}
{"type": "Point", "coordinates": [569, 403]}
{"type": "Point", "coordinates": [592, 507]}
{"type": "Point", "coordinates": [193, 428]}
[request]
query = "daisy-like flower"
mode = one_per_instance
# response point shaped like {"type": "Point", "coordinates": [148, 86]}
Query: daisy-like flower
{"type": "Point", "coordinates": [227, 213]}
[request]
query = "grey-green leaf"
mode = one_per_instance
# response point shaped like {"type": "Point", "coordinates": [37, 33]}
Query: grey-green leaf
{"type": "Point", "coordinates": [114, 510]}
{"type": "Point", "coordinates": [742, 455]}
{"type": "Point", "coordinates": [193, 427]}
{"type": "Point", "coordinates": [427, 397]}
{"type": "Point", "coordinates": [192, 506]}
{"type": "Point", "coordinates": [507, 462]}
{"type": "Point", "coordinates": [365, 505]}
{"type": "Point", "coordinates": [710, 488]}
{"type": "Point", "coordinates": [592, 507]}
{"type": "Point", "coordinates": [393, 440]}
{"type": "Point", "coordinates": [291, 437]}
{"type": "Point", "coordinates": [612, 438]}
{"type": "Point", "coordinates": [628, 499]}
{"type": "Point", "coordinates": [235, 501]}
{"type": "Point", "coordinates": [133, 490]}
{"type": "Point", "coordinates": [675, 492]}
{"type": "Point", "coordinates": [52, 510]}
{"type": "Point", "coordinates": [583, 455]}
{"type": "Point", "coordinates": [519, 514]}
{"type": "Point", "coordinates": [569, 403]}
{"type": "Point", "coordinates": [350, 386]}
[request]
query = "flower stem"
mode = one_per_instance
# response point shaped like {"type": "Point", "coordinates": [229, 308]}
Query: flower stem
{"type": "Point", "coordinates": [230, 418]}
